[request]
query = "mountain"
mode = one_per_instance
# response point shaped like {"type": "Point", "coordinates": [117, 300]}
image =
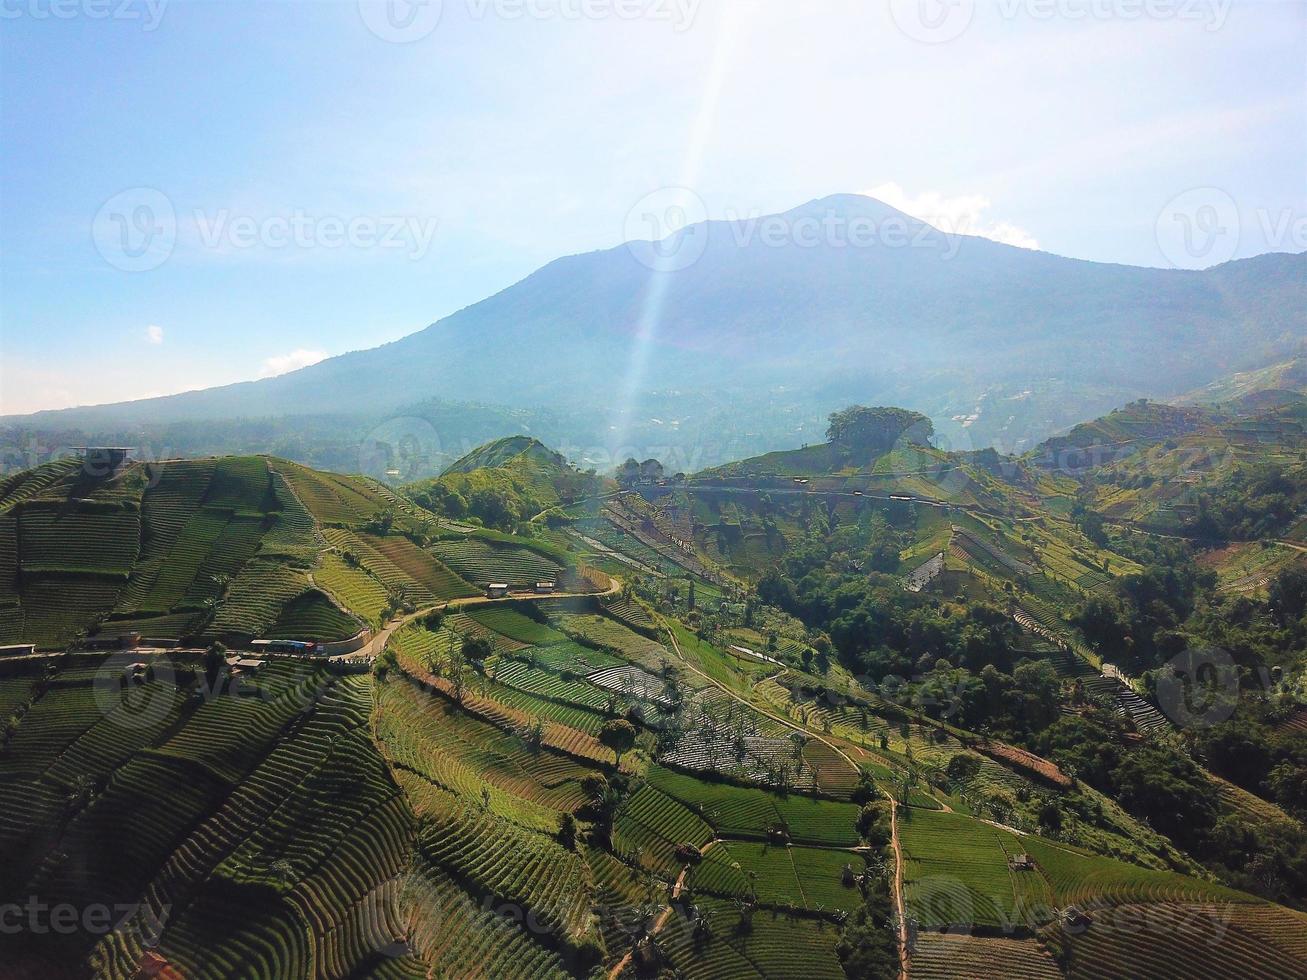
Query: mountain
{"type": "Point", "coordinates": [840, 299]}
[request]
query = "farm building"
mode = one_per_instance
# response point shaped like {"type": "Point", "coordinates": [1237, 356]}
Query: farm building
{"type": "Point", "coordinates": [496, 590]}
{"type": "Point", "coordinates": [544, 588]}
{"type": "Point", "coordinates": [1022, 862]}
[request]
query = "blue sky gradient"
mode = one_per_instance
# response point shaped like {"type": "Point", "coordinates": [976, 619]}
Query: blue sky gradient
{"type": "Point", "coordinates": [515, 132]}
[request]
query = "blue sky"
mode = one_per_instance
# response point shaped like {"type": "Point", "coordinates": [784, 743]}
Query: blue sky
{"type": "Point", "coordinates": [331, 189]}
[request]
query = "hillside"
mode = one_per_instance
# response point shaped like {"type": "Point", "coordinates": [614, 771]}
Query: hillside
{"type": "Point", "coordinates": [765, 326]}
{"type": "Point", "coordinates": [503, 483]}
{"type": "Point", "coordinates": [678, 774]}
{"type": "Point", "coordinates": [231, 549]}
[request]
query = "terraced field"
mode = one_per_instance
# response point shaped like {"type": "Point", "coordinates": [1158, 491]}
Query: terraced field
{"type": "Point", "coordinates": [750, 813]}
{"type": "Point", "coordinates": [1169, 940]}
{"type": "Point", "coordinates": [481, 561]}
{"type": "Point", "coordinates": [201, 549]}
{"type": "Point", "coordinates": [956, 872]}
{"type": "Point", "coordinates": [945, 956]}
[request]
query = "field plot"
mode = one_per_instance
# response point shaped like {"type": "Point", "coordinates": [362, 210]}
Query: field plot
{"type": "Point", "coordinates": [601, 631]}
{"type": "Point", "coordinates": [313, 616]}
{"type": "Point", "coordinates": [331, 499]}
{"type": "Point", "coordinates": [255, 599]}
{"type": "Point", "coordinates": [950, 957]}
{"type": "Point", "coordinates": [452, 926]}
{"type": "Point", "coordinates": [956, 872]}
{"type": "Point", "coordinates": [421, 566]}
{"type": "Point", "coordinates": [353, 588]}
{"type": "Point", "coordinates": [313, 834]}
{"type": "Point", "coordinates": [793, 877]}
{"type": "Point", "coordinates": [651, 827]}
{"type": "Point", "coordinates": [778, 945]}
{"type": "Point", "coordinates": [516, 625]}
{"type": "Point", "coordinates": [481, 561]}
{"type": "Point", "coordinates": [547, 684]}
{"type": "Point", "coordinates": [1184, 942]}
{"type": "Point", "coordinates": [512, 864]}
{"type": "Point", "coordinates": [461, 753]}
{"type": "Point", "coordinates": [739, 811]}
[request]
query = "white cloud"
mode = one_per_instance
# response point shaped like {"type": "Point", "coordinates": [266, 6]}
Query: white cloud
{"type": "Point", "coordinates": [153, 334]}
{"type": "Point", "coordinates": [964, 214]}
{"type": "Point", "coordinates": [296, 359]}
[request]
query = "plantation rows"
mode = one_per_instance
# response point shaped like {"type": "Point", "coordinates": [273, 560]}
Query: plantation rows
{"type": "Point", "coordinates": [574, 657]}
{"type": "Point", "coordinates": [465, 626]}
{"type": "Point", "coordinates": [56, 608]}
{"type": "Point", "coordinates": [353, 587]}
{"type": "Point", "coordinates": [329, 498]}
{"type": "Point", "coordinates": [511, 864]}
{"type": "Point", "coordinates": [546, 684]}
{"type": "Point", "coordinates": [777, 945]}
{"type": "Point", "coordinates": [463, 754]}
{"type": "Point", "coordinates": [312, 616]}
{"type": "Point", "coordinates": [390, 575]}
{"type": "Point", "coordinates": [798, 877]}
{"type": "Point", "coordinates": [26, 484]}
{"type": "Point", "coordinates": [944, 957]}
{"type": "Point", "coordinates": [451, 927]}
{"type": "Point", "coordinates": [255, 599]}
{"type": "Point", "coordinates": [601, 631]}
{"type": "Point", "coordinates": [744, 812]}
{"type": "Point", "coordinates": [516, 626]}
{"type": "Point", "coordinates": [750, 758]}
{"type": "Point", "coordinates": [480, 562]}
{"type": "Point", "coordinates": [295, 866]}
{"type": "Point", "coordinates": [1175, 941]}
{"type": "Point", "coordinates": [955, 871]}
{"type": "Point", "coordinates": [66, 538]}
{"type": "Point", "coordinates": [8, 559]}
{"type": "Point", "coordinates": [421, 566]}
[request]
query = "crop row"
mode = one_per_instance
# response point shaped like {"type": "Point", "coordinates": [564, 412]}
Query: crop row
{"type": "Point", "coordinates": [451, 927]}
{"type": "Point", "coordinates": [743, 812]}
{"type": "Point", "coordinates": [68, 538]}
{"type": "Point", "coordinates": [480, 562]}
{"type": "Point", "coordinates": [511, 864]}
{"type": "Point", "coordinates": [516, 626]}
{"type": "Point", "coordinates": [945, 956]}
{"type": "Point", "coordinates": [421, 566]}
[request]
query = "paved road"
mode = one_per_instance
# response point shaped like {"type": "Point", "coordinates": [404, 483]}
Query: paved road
{"type": "Point", "coordinates": [373, 647]}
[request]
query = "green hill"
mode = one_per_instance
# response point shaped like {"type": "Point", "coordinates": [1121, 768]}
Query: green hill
{"type": "Point", "coordinates": [504, 483]}
{"type": "Point", "coordinates": [228, 548]}
{"type": "Point", "coordinates": [709, 773]}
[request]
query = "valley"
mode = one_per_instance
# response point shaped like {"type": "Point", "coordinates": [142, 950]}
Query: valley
{"type": "Point", "coordinates": [856, 707]}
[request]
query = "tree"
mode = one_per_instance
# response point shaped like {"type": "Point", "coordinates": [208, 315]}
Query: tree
{"type": "Point", "coordinates": [215, 659]}
{"type": "Point", "coordinates": [962, 769]}
{"type": "Point", "coordinates": [567, 831]}
{"type": "Point", "coordinates": [867, 948]}
{"type": "Point", "coordinates": [628, 474]}
{"type": "Point", "coordinates": [476, 649]}
{"type": "Point", "coordinates": [617, 734]}
{"type": "Point", "coordinates": [858, 428]}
